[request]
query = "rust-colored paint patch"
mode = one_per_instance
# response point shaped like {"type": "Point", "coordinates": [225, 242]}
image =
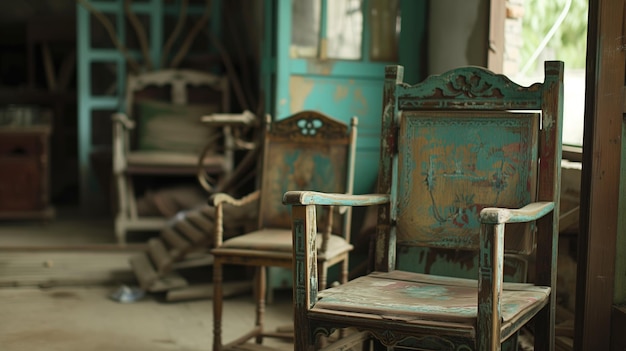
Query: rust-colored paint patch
{"type": "Point", "coordinates": [361, 102]}
{"type": "Point", "coordinates": [299, 90]}
{"type": "Point", "coordinates": [341, 93]}
{"type": "Point", "coordinates": [464, 259]}
{"type": "Point", "coordinates": [358, 96]}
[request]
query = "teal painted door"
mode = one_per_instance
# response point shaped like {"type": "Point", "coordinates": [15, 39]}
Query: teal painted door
{"type": "Point", "coordinates": [330, 56]}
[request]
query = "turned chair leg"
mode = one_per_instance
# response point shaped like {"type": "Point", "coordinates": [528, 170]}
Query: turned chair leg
{"type": "Point", "coordinates": [217, 305]}
{"type": "Point", "coordinates": [260, 306]}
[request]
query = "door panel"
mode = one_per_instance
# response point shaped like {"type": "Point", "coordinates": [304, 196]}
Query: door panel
{"type": "Point", "coordinates": [330, 56]}
{"type": "Point", "coordinates": [345, 98]}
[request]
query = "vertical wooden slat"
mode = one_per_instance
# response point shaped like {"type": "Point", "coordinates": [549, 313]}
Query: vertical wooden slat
{"type": "Point", "coordinates": [491, 261]}
{"type": "Point", "coordinates": [495, 50]}
{"type": "Point", "coordinates": [551, 138]}
{"type": "Point", "coordinates": [618, 321]}
{"type": "Point", "coordinates": [260, 293]}
{"type": "Point", "coordinates": [304, 233]}
{"type": "Point", "coordinates": [600, 175]}
{"type": "Point", "coordinates": [385, 240]}
{"type": "Point", "coordinates": [545, 272]}
{"type": "Point", "coordinates": [347, 222]}
{"type": "Point", "coordinates": [620, 260]}
{"type": "Point", "coordinates": [618, 325]}
{"type": "Point", "coordinates": [217, 304]}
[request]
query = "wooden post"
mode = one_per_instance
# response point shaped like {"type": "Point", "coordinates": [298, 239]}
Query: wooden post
{"type": "Point", "coordinates": [304, 272]}
{"type": "Point", "coordinates": [491, 265]}
{"type": "Point", "coordinates": [600, 175]}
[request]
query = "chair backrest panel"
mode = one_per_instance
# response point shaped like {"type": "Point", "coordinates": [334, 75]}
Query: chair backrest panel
{"type": "Point", "coordinates": [307, 151]}
{"type": "Point", "coordinates": [452, 164]}
{"type": "Point", "coordinates": [179, 86]}
{"type": "Point", "coordinates": [459, 142]}
{"type": "Point", "coordinates": [167, 106]}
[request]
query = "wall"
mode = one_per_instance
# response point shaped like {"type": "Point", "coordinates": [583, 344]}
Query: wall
{"type": "Point", "coordinates": [457, 34]}
{"type": "Point", "coordinates": [37, 55]}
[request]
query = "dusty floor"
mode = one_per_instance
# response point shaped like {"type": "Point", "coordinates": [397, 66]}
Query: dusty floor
{"type": "Point", "coordinates": [84, 318]}
{"type": "Point", "coordinates": [55, 282]}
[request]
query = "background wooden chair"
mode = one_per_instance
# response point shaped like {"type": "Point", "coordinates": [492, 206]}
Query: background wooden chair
{"type": "Point", "coordinates": [161, 134]}
{"type": "Point", "coordinates": [307, 150]}
{"type": "Point", "coordinates": [462, 155]}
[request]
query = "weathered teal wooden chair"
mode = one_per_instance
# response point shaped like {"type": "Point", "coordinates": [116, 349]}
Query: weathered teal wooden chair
{"type": "Point", "coordinates": [469, 161]}
{"type": "Point", "coordinates": [308, 150]}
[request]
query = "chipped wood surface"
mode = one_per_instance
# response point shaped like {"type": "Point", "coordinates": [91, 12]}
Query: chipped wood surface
{"type": "Point", "coordinates": [441, 169]}
{"type": "Point", "coordinates": [52, 268]}
{"type": "Point", "coordinates": [600, 281]}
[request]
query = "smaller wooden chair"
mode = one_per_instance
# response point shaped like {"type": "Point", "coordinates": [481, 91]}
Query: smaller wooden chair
{"type": "Point", "coordinates": [470, 162]}
{"type": "Point", "coordinates": [307, 150]}
{"type": "Point", "coordinates": [161, 134]}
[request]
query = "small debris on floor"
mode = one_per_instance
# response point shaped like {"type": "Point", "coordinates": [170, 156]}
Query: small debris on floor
{"type": "Point", "coordinates": [127, 294]}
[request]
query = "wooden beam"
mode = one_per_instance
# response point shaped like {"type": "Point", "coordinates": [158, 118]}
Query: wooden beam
{"type": "Point", "coordinates": [618, 325]}
{"type": "Point", "coordinates": [600, 175]}
{"type": "Point", "coordinates": [495, 52]}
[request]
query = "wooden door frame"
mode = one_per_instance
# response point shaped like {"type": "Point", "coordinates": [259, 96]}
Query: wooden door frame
{"type": "Point", "coordinates": [600, 175]}
{"type": "Point", "coordinates": [495, 49]}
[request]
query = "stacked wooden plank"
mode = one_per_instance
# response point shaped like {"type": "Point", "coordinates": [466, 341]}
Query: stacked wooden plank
{"type": "Point", "coordinates": [185, 243]}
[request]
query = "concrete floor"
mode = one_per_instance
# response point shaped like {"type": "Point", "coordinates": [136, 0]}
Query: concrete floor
{"type": "Point", "coordinates": [54, 295]}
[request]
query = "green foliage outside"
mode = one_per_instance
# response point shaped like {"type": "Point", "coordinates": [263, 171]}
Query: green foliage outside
{"type": "Point", "coordinates": [569, 42]}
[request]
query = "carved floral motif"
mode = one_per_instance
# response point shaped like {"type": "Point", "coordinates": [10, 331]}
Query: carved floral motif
{"type": "Point", "coordinates": [484, 88]}
{"type": "Point", "coordinates": [471, 86]}
{"type": "Point", "coordinates": [310, 125]}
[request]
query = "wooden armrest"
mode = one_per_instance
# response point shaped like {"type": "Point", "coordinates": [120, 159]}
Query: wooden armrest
{"type": "Point", "coordinates": [123, 120]}
{"type": "Point", "coordinates": [327, 199]}
{"type": "Point", "coordinates": [223, 198]}
{"type": "Point", "coordinates": [218, 200]}
{"type": "Point", "coordinates": [229, 119]}
{"type": "Point", "coordinates": [528, 213]}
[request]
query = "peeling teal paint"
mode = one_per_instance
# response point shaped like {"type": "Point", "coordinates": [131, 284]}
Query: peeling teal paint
{"type": "Point", "coordinates": [428, 292]}
{"type": "Point", "coordinates": [452, 263]}
{"type": "Point", "coordinates": [457, 157]}
{"type": "Point", "coordinates": [342, 99]}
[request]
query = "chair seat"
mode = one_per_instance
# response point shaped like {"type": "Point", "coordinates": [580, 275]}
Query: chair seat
{"type": "Point", "coordinates": [278, 241]}
{"type": "Point", "coordinates": [416, 298]}
{"type": "Point", "coordinates": [180, 163]}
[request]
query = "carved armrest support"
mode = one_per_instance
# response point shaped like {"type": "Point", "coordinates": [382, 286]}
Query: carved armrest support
{"type": "Point", "coordinates": [222, 198]}
{"type": "Point", "coordinates": [305, 198]}
{"type": "Point", "coordinates": [528, 213]}
{"type": "Point", "coordinates": [218, 200]}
